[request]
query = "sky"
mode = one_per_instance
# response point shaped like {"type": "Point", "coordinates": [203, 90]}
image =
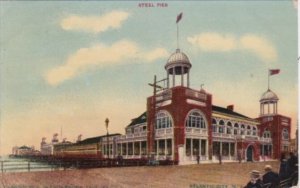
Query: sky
{"type": "Point", "coordinates": [67, 66]}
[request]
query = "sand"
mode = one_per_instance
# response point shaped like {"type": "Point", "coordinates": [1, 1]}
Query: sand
{"type": "Point", "coordinates": [190, 176]}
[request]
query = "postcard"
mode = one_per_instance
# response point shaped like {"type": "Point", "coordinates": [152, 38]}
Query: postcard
{"type": "Point", "coordinates": [148, 94]}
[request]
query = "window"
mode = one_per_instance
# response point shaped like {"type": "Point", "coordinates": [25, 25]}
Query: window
{"type": "Point", "coordinates": [195, 119]}
{"type": "Point", "coordinates": [285, 134]}
{"type": "Point", "coordinates": [236, 128]}
{"type": "Point", "coordinates": [214, 124]}
{"type": "Point", "coordinates": [242, 129]}
{"type": "Point", "coordinates": [267, 133]}
{"type": "Point", "coordinates": [229, 127]}
{"type": "Point", "coordinates": [163, 120]}
{"type": "Point", "coordinates": [254, 131]}
{"type": "Point", "coordinates": [221, 126]}
{"type": "Point", "coordinates": [248, 130]}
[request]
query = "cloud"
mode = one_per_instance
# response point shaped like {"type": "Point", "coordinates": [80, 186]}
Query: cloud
{"type": "Point", "coordinates": [216, 42]}
{"type": "Point", "coordinates": [95, 24]}
{"type": "Point", "coordinates": [101, 56]}
{"type": "Point", "coordinates": [259, 46]}
{"type": "Point", "coordinates": [213, 42]}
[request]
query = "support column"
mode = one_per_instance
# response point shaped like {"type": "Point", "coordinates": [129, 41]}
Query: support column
{"type": "Point", "coordinates": [126, 149]}
{"type": "Point", "coordinates": [133, 151]}
{"type": "Point", "coordinates": [268, 108]}
{"type": "Point", "coordinates": [157, 147]}
{"type": "Point", "coordinates": [140, 148]}
{"type": "Point", "coordinates": [263, 151]}
{"type": "Point", "coordinates": [173, 76]}
{"type": "Point", "coordinates": [166, 148]}
{"type": "Point", "coordinates": [168, 80]}
{"type": "Point", "coordinates": [221, 148]}
{"type": "Point", "coordinates": [182, 76]}
{"type": "Point", "coordinates": [192, 156]}
{"type": "Point", "coordinates": [229, 152]}
{"type": "Point", "coordinates": [200, 148]}
{"type": "Point", "coordinates": [188, 78]}
{"type": "Point", "coordinates": [206, 149]}
{"type": "Point", "coordinates": [121, 152]}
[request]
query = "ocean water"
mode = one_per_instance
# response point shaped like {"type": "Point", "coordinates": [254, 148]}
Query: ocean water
{"type": "Point", "coordinates": [8, 164]}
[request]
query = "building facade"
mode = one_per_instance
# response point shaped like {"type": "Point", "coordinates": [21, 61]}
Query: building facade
{"type": "Point", "coordinates": [181, 123]}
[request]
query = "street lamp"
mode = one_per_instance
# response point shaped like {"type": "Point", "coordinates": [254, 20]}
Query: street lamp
{"type": "Point", "coordinates": [106, 125]}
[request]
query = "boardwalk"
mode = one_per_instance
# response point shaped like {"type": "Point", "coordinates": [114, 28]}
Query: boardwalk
{"type": "Point", "coordinates": [161, 176]}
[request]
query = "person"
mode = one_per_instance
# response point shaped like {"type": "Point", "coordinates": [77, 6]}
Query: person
{"type": "Point", "coordinates": [284, 168]}
{"type": "Point", "coordinates": [255, 181]}
{"type": "Point", "coordinates": [292, 163]}
{"type": "Point", "coordinates": [270, 177]}
{"type": "Point", "coordinates": [198, 159]}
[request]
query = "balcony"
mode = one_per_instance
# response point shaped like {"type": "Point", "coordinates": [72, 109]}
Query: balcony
{"type": "Point", "coordinates": [164, 132]}
{"type": "Point", "coordinates": [190, 131]}
{"type": "Point", "coordinates": [266, 140]}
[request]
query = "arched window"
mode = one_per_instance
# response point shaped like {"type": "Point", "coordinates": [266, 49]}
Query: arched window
{"type": "Point", "coordinates": [267, 133]}
{"type": "Point", "coordinates": [285, 134]}
{"type": "Point", "coordinates": [163, 120]}
{"type": "Point", "coordinates": [248, 130]}
{"type": "Point", "coordinates": [236, 129]}
{"type": "Point", "coordinates": [195, 119]}
{"type": "Point", "coordinates": [221, 126]}
{"type": "Point", "coordinates": [254, 131]}
{"type": "Point", "coordinates": [214, 124]}
{"type": "Point", "coordinates": [229, 127]}
{"type": "Point", "coordinates": [242, 129]}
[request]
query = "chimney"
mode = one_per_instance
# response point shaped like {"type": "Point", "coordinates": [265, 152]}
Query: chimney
{"type": "Point", "coordinates": [230, 107]}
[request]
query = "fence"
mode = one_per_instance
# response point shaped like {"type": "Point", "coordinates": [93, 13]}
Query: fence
{"type": "Point", "coordinates": [63, 163]}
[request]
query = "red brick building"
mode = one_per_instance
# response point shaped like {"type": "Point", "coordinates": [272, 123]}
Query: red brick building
{"type": "Point", "coordinates": [182, 123]}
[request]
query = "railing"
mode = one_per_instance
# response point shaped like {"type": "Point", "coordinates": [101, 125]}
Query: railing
{"type": "Point", "coordinates": [269, 140]}
{"type": "Point", "coordinates": [21, 166]}
{"type": "Point", "coordinates": [191, 130]}
{"type": "Point", "coordinates": [133, 135]}
{"type": "Point", "coordinates": [163, 132]}
{"type": "Point", "coordinates": [195, 94]}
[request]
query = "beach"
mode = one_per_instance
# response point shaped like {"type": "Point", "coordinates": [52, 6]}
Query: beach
{"type": "Point", "coordinates": [203, 175]}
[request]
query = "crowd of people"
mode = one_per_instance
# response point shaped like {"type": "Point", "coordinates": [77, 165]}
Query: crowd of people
{"type": "Point", "coordinates": [270, 179]}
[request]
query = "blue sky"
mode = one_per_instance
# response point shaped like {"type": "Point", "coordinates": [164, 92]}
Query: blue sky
{"type": "Point", "coordinates": [47, 81]}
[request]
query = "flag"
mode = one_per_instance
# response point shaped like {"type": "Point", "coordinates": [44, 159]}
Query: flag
{"type": "Point", "coordinates": [179, 17]}
{"type": "Point", "coordinates": [273, 71]}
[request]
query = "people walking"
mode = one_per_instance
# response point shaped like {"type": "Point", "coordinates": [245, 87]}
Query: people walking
{"type": "Point", "coordinates": [198, 159]}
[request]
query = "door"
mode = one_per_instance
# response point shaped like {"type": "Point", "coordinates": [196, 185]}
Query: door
{"type": "Point", "coordinates": [250, 153]}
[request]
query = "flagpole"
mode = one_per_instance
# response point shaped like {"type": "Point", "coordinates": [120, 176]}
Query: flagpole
{"type": "Point", "coordinates": [177, 36]}
{"type": "Point", "coordinates": [269, 79]}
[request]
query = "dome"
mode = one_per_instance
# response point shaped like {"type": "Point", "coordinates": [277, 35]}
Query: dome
{"type": "Point", "coordinates": [178, 60]}
{"type": "Point", "coordinates": [269, 96]}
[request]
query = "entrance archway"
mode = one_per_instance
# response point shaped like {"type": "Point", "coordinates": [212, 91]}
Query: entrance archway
{"type": "Point", "coordinates": [249, 153]}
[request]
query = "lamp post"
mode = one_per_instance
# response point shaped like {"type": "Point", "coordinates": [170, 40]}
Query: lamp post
{"type": "Point", "coordinates": [106, 125]}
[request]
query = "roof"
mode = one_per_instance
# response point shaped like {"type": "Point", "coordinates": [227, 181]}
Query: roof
{"type": "Point", "coordinates": [178, 58]}
{"type": "Point", "coordinates": [141, 119]}
{"type": "Point", "coordinates": [269, 96]}
{"type": "Point", "coordinates": [227, 111]}
{"type": "Point", "coordinates": [24, 147]}
{"type": "Point", "coordinates": [95, 139]}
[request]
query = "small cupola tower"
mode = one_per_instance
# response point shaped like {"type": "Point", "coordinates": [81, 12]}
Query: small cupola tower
{"type": "Point", "coordinates": [178, 65]}
{"type": "Point", "coordinates": [268, 103]}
